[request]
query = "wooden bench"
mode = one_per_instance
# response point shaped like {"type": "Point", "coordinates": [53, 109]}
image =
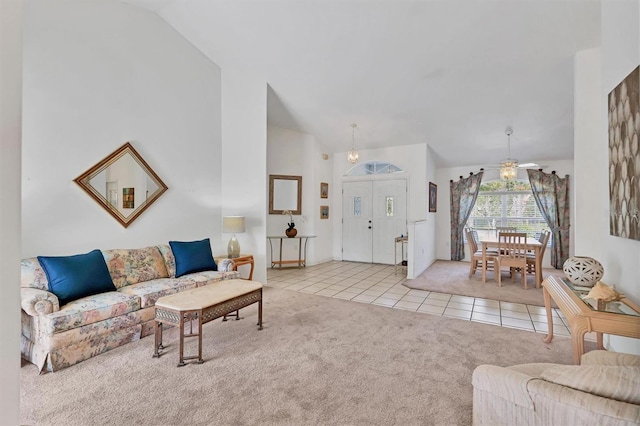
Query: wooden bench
{"type": "Point", "coordinates": [203, 304]}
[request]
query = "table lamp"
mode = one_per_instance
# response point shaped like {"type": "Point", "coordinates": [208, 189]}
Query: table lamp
{"type": "Point", "coordinates": [233, 225]}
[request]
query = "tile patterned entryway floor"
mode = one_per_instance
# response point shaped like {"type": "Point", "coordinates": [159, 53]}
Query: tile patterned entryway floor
{"type": "Point", "coordinates": [379, 285]}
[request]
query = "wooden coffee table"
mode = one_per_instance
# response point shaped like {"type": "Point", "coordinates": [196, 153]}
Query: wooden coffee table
{"type": "Point", "coordinates": [203, 304]}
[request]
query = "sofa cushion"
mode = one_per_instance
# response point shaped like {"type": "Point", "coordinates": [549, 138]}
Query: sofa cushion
{"type": "Point", "coordinates": [32, 274]}
{"type": "Point", "coordinates": [150, 291]}
{"type": "Point", "coordinates": [211, 277]}
{"type": "Point", "coordinates": [169, 259]}
{"type": "Point", "coordinates": [614, 382]}
{"type": "Point", "coordinates": [89, 310]}
{"type": "Point", "coordinates": [193, 256]}
{"type": "Point", "coordinates": [131, 266]}
{"type": "Point", "coordinates": [77, 276]}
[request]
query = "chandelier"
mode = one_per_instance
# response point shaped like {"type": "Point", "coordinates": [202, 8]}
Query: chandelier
{"type": "Point", "coordinates": [352, 156]}
{"type": "Point", "coordinates": [509, 167]}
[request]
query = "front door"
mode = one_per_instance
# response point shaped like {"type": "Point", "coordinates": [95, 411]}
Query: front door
{"type": "Point", "coordinates": [373, 213]}
{"type": "Point", "coordinates": [357, 222]}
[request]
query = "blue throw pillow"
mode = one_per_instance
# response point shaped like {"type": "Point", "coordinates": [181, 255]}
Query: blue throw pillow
{"type": "Point", "coordinates": [192, 256]}
{"type": "Point", "coordinates": [74, 277]}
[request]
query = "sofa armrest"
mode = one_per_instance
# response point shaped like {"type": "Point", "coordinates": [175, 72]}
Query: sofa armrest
{"type": "Point", "coordinates": [601, 357]}
{"type": "Point", "coordinates": [38, 302]}
{"type": "Point", "coordinates": [507, 384]}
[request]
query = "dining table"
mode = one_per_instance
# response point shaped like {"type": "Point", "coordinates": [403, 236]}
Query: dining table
{"type": "Point", "coordinates": [491, 242]}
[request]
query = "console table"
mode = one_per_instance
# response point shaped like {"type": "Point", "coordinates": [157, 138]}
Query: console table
{"type": "Point", "coordinates": [302, 253]}
{"type": "Point", "coordinates": [402, 240]}
{"type": "Point", "coordinates": [621, 318]}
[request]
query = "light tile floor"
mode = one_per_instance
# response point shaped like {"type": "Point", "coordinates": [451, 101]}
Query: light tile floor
{"type": "Point", "coordinates": [379, 285]}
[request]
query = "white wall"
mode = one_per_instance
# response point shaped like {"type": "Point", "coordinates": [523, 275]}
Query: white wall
{"type": "Point", "coordinates": [10, 141]}
{"type": "Point", "coordinates": [98, 74]}
{"type": "Point", "coordinates": [422, 234]}
{"type": "Point", "coordinates": [443, 219]}
{"type": "Point", "coordinates": [244, 140]}
{"type": "Point", "coordinates": [299, 154]}
{"type": "Point", "coordinates": [431, 218]}
{"type": "Point", "coordinates": [588, 152]}
{"type": "Point", "coordinates": [244, 149]}
{"type": "Point", "coordinates": [620, 55]}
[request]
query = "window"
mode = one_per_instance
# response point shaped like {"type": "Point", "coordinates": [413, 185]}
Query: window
{"type": "Point", "coordinates": [373, 168]}
{"type": "Point", "coordinates": [508, 203]}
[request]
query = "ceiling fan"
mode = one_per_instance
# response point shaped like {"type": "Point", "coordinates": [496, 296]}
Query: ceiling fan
{"type": "Point", "coordinates": [509, 167]}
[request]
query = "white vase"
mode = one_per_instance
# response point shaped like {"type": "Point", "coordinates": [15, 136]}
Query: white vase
{"type": "Point", "coordinates": [583, 270]}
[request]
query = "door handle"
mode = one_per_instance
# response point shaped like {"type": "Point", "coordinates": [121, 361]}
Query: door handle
{"type": "Point", "coordinates": [369, 227]}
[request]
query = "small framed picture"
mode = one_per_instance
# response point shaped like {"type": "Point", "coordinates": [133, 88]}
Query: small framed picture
{"type": "Point", "coordinates": [324, 212]}
{"type": "Point", "coordinates": [433, 197]}
{"type": "Point", "coordinates": [324, 190]}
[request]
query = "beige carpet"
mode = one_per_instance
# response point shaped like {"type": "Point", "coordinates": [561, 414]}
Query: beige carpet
{"type": "Point", "coordinates": [318, 361]}
{"type": "Point", "coordinates": [447, 276]}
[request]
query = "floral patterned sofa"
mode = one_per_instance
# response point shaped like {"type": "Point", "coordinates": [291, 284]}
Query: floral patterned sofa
{"type": "Point", "coordinates": [55, 337]}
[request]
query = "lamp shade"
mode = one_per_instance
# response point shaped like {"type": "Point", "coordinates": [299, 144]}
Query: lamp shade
{"type": "Point", "coordinates": [233, 224]}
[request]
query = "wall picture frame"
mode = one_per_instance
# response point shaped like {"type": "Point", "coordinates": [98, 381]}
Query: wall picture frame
{"type": "Point", "coordinates": [624, 173]}
{"type": "Point", "coordinates": [324, 190]}
{"type": "Point", "coordinates": [324, 212]}
{"type": "Point", "coordinates": [433, 197]}
{"type": "Point", "coordinates": [128, 198]}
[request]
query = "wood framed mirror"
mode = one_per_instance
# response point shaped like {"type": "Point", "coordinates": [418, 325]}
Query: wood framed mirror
{"type": "Point", "coordinates": [285, 193]}
{"type": "Point", "coordinates": [123, 184]}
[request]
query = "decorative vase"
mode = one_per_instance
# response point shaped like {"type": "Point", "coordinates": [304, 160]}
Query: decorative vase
{"type": "Point", "coordinates": [291, 232]}
{"type": "Point", "coordinates": [583, 270]}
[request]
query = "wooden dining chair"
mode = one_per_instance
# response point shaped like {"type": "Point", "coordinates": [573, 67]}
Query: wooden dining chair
{"type": "Point", "coordinates": [476, 254]}
{"type": "Point", "coordinates": [531, 257]}
{"type": "Point", "coordinates": [512, 252]}
{"type": "Point", "coordinates": [503, 229]}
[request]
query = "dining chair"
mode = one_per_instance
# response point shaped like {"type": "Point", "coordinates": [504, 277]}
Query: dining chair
{"type": "Point", "coordinates": [531, 257]}
{"type": "Point", "coordinates": [512, 252]}
{"type": "Point", "coordinates": [476, 254]}
{"type": "Point", "coordinates": [503, 229]}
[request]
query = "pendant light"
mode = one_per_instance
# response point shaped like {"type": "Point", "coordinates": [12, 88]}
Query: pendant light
{"type": "Point", "coordinates": [509, 167]}
{"type": "Point", "coordinates": [352, 156]}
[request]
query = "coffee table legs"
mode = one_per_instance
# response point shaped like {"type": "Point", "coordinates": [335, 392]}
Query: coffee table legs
{"type": "Point", "coordinates": [190, 316]}
{"type": "Point", "coordinates": [180, 317]}
{"type": "Point", "coordinates": [158, 339]}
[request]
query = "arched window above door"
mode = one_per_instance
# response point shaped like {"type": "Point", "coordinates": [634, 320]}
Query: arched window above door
{"type": "Point", "coordinates": [373, 168]}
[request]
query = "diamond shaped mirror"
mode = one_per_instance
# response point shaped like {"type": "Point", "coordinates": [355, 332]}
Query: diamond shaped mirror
{"type": "Point", "coordinates": [123, 184]}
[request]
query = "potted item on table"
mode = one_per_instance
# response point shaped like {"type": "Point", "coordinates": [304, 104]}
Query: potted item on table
{"type": "Point", "coordinates": [291, 230]}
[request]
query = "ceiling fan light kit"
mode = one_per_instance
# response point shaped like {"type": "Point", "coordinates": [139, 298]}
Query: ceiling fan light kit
{"type": "Point", "coordinates": [508, 170]}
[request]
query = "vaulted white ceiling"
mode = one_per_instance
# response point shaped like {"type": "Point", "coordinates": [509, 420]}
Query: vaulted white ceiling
{"type": "Point", "coordinates": [452, 74]}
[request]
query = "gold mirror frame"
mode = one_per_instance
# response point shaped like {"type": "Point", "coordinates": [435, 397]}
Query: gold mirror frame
{"type": "Point", "coordinates": [125, 210]}
{"type": "Point", "coordinates": [283, 195]}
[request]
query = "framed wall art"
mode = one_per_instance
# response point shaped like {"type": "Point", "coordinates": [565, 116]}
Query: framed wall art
{"type": "Point", "coordinates": [433, 197]}
{"type": "Point", "coordinates": [324, 190]}
{"type": "Point", "coordinates": [624, 173]}
{"type": "Point", "coordinates": [128, 198]}
{"type": "Point", "coordinates": [324, 212]}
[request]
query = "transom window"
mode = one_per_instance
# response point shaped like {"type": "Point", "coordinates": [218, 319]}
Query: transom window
{"type": "Point", "coordinates": [509, 203]}
{"type": "Point", "coordinates": [373, 168]}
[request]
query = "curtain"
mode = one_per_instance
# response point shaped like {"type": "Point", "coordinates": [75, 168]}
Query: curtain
{"type": "Point", "coordinates": [463, 196]}
{"type": "Point", "coordinates": [552, 197]}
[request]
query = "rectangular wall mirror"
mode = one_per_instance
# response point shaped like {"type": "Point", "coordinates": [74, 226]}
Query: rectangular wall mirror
{"type": "Point", "coordinates": [285, 193]}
